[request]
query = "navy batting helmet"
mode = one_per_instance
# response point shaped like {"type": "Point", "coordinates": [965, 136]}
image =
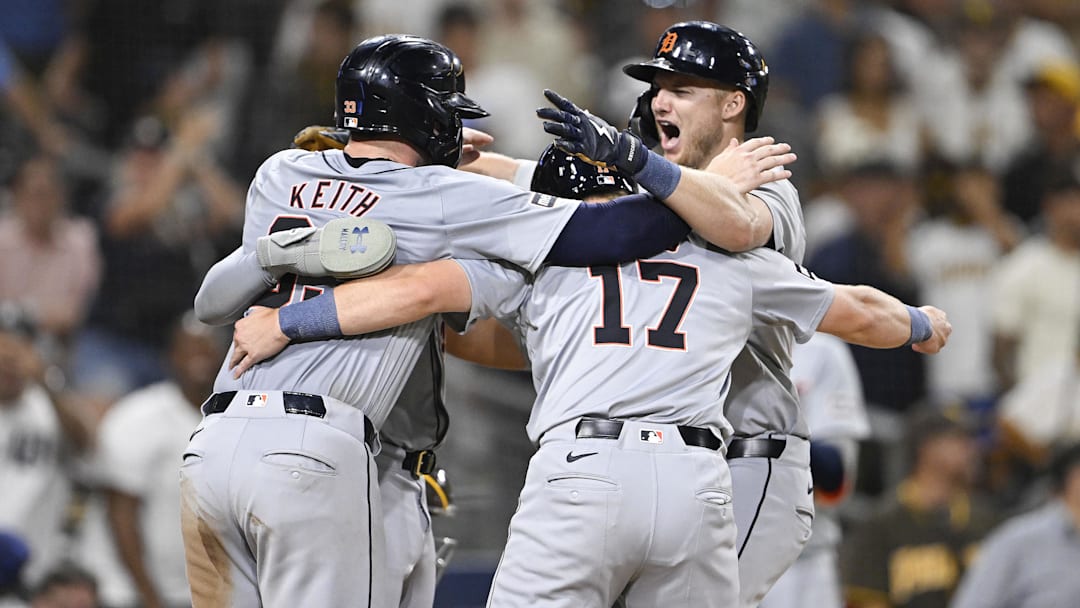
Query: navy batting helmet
{"type": "Point", "coordinates": [707, 50]}
{"type": "Point", "coordinates": [406, 87]}
{"type": "Point", "coordinates": [561, 174]}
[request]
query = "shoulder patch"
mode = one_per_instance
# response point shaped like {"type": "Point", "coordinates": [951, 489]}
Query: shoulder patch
{"type": "Point", "coordinates": [543, 200]}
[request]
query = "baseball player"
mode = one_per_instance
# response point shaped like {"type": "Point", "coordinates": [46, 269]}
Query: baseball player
{"type": "Point", "coordinates": [707, 87]}
{"type": "Point", "coordinates": [590, 526]}
{"type": "Point", "coordinates": [415, 426]}
{"type": "Point", "coordinates": [280, 472]}
{"type": "Point", "coordinates": [401, 99]}
{"type": "Point", "coordinates": [831, 398]}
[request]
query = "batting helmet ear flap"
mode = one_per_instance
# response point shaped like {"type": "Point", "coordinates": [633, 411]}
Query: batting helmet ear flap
{"type": "Point", "coordinates": [642, 120]}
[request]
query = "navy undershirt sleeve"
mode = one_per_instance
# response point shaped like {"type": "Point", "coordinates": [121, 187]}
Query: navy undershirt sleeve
{"type": "Point", "coordinates": [621, 230]}
{"type": "Point", "coordinates": [826, 466]}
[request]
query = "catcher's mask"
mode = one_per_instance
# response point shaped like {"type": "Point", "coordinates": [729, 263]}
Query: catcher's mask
{"type": "Point", "coordinates": [706, 50]}
{"type": "Point", "coordinates": [406, 87]}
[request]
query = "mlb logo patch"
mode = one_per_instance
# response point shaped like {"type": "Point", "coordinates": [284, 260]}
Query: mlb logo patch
{"type": "Point", "coordinates": [652, 436]}
{"type": "Point", "coordinates": [351, 122]}
{"type": "Point", "coordinates": [256, 400]}
{"type": "Point", "coordinates": [543, 200]}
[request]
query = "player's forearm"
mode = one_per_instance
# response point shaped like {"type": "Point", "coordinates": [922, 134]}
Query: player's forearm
{"type": "Point", "coordinates": [230, 286]}
{"type": "Point", "coordinates": [401, 294]}
{"type": "Point", "coordinates": [494, 165]}
{"type": "Point", "coordinates": [868, 317]}
{"type": "Point", "coordinates": [716, 209]}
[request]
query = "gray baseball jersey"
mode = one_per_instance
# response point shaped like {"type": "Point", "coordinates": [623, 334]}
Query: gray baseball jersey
{"type": "Point", "coordinates": [603, 319]}
{"type": "Point", "coordinates": [436, 212]}
{"type": "Point", "coordinates": [774, 506]}
{"type": "Point", "coordinates": [762, 397]}
{"type": "Point", "coordinates": [648, 342]}
{"type": "Point", "coordinates": [258, 449]}
{"type": "Point", "coordinates": [418, 421]}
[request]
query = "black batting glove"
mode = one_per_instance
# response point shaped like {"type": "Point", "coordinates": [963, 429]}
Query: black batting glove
{"type": "Point", "coordinates": [590, 138]}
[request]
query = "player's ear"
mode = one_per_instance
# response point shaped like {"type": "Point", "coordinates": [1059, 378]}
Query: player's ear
{"type": "Point", "coordinates": [732, 105]}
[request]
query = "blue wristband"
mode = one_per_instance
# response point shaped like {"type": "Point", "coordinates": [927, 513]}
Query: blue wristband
{"type": "Point", "coordinates": [314, 319]}
{"type": "Point", "coordinates": [659, 176]}
{"type": "Point", "coordinates": [921, 328]}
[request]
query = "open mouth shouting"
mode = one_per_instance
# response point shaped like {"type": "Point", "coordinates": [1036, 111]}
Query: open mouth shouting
{"type": "Point", "coordinates": [669, 135]}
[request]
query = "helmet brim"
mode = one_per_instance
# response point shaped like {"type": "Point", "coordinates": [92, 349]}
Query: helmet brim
{"type": "Point", "coordinates": [646, 71]}
{"type": "Point", "coordinates": [466, 107]}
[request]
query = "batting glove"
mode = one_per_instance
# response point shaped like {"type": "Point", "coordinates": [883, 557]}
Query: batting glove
{"type": "Point", "coordinates": [591, 138]}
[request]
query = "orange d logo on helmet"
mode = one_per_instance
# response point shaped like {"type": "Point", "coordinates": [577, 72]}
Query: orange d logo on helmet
{"type": "Point", "coordinates": [668, 44]}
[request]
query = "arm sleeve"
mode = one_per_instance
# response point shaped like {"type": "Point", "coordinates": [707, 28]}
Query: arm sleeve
{"type": "Point", "coordinates": [491, 219]}
{"type": "Point", "coordinates": [486, 218]}
{"type": "Point", "coordinates": [230, 286]}
{"type": "Point", "coordinates": [627, 228]}
{"type": "Point", "coordinates": [827, 466]}
{"type": "Point", "coordinates": [786, 293]}
{"type": "Point", "coordinates": [789, 231]}
{"type": "Point", "coordinates": [498, 291]}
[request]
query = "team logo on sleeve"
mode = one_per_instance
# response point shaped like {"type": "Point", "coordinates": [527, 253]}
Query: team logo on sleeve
{"type": "Point", "coordinates": [257, 400]}
{"type": "Point", "coordinates": [543, 200]}
{"type": "Point", "coordinates": [652, 436]}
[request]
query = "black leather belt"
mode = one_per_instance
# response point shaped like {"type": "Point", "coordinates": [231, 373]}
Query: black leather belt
{"type": "Point", "coordinates": [600, 428]}
{"type": "Point", "coordinates": [758, 447]}
{"type": "Point", "coordinates": [419, 463]}
{"type": "Point", "coordinates": [295, 403]}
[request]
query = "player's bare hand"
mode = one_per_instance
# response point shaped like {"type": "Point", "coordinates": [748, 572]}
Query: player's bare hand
{"type": "Point", "coordinates": [939, 322]}
{"type": "Point", "coordinates": [471, 142]}
{"type": "Point", "coordinates": [256, 337]}
{"type": "Point", "coordinates": [754, 162]}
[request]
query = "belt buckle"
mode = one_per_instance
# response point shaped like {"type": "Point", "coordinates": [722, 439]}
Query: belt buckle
{"type": "Point", "coordinates": [425, 463]}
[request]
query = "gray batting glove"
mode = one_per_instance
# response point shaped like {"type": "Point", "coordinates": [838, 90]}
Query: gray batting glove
{"type": "Point", "coordinates": [591, 138]}
{"type": "Point", "coordinates": [345, 248]}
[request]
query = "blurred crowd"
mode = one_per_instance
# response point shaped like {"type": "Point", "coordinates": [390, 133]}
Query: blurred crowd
{"type": "Point", "coordinates": [939, 160]}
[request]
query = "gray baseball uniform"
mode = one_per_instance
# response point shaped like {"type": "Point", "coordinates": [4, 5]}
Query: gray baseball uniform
{"type": "Point", "coordinates": [630, 366]}
{"type": "Point", "coordinates": [770, 454]}
{"type": "Point", "coordinates": [773, 504]}
{"type": "Point", "coordinates": [415, 425]}
{"type": "Point", "coordinates": [280, 473]}
{"type": "Point", "coordinates": [831, 398]}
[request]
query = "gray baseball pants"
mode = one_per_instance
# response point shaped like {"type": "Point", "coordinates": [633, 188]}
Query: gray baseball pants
{"type": "Point", "coordinates": [282, 509]}
{"type": "Point", "coordinates": [643, 515]}
{"type": "Point", "coordinates": [774, 510]}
